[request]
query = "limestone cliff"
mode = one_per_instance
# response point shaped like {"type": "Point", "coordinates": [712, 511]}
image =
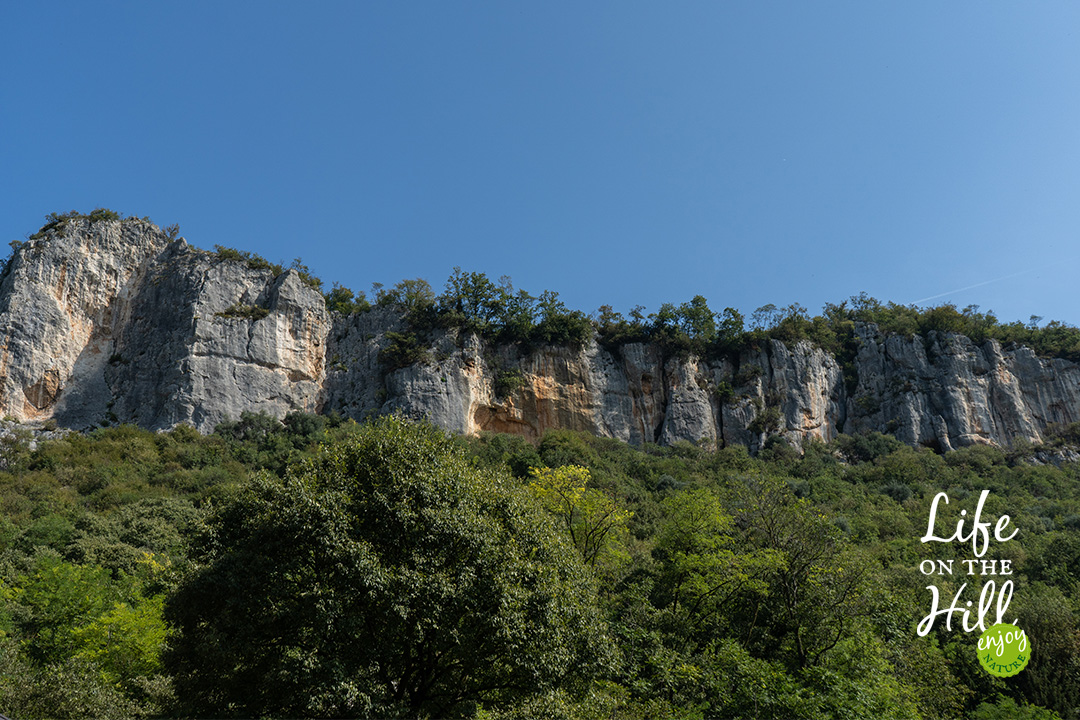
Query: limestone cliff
{"type": "Point", "coordinates": [112, 321]}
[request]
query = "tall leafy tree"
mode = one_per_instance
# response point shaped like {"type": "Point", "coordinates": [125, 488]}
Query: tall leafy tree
{"type": "Point", "coordinates": [390, 577]}
{"type": "Point", "coordinates": [594, 519]}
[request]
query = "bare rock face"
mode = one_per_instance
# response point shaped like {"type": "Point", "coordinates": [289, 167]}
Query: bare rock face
{"type": "Point", "coordinates": [947, 392]}
{"type": "Point", "coordinates": [208, 339]}
{"type": "Point", "coordinates": [111, 321]}
{"type": "Point", "coordinates": [354, 375]}
{"type": "Point", "coordinates": [633, 393]}
{"type": "Point", "coordinates": [62, 300]}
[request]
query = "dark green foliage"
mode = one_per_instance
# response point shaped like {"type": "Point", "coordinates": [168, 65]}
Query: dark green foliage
{"type": "Point", "coordinates": [93, 530]}
{"type": "Point", "coordinates": [260, 441]}
{"type": "Point", "coordinates": [1005, 708]}
{"type": "Point", "coordinates": [472, 303]}
{"type": "Point", "coordinates": [613, 329]}
{"type": "Point", "coordinates": [767, 421]}
{"type": "Point", "coordinates": [697, 320]}
{"type": "Point", "coordinates": [342, 300]}
{"type": "Point", "coordinates": [1052, 678]}
{"type": "Point", "coordinates": [563, 447]}
{"type": "Point", "coordinates": [475, 304]}
{"type": "Point", "coordinates": [868, 446]}
{"type": "Point", "coordinates": [513, 451]}
{"type": "Point", "coordinates": [747, 374]}
{"type": "Point", "coordinates": [404, 350]}
{"type": "Point", "coordinates": [248, 312]}
{"type": "Point", "coordinates": [103, 214]}
{"type": "Point", "coordinates": [898, 491]}
{"type": "Point", "coordinates": [730, 330]}
{"type": "Point", "coordinates": [252, 260]}
{"type": "Point", "coordinates": [557, 325]}
{"type": "Point", "coordinates": [305, 428]}
{"type": "Point", "coordinates": [782, 585]}
{"type": "Point", "coordinates": [55, 217]}
{"type": "Point", "coordinates": [72, 688]}
{"type": "Point", "coordinates": [693, 327]}
{"type": "Point", "coordinates": [778, 451]}
{"type": "Point", "coordinates": [724, 392]}
{"type": "Point", "coordinates": [388, 578]}
{"type": "Point", "coordinates": [508, 381]}
{"type": "Point", "coordinates": [55, 222]}
{"type": "Point", "coordinates": [415, 297]}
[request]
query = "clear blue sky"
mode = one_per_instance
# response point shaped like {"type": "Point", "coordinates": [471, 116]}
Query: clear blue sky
{"type": "Point", "coordinates": [616, 152]}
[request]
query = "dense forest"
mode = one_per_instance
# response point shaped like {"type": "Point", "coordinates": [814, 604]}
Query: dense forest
{"type": "Point", "coordinates": [317, 567]}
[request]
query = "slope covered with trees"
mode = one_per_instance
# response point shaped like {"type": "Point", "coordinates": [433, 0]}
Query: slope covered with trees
{"type": "Point", "coordinates": [324, 568]}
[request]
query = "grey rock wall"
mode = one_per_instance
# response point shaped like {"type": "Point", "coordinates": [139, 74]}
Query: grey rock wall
{"type": "Point", "coordinates": [110, 321]}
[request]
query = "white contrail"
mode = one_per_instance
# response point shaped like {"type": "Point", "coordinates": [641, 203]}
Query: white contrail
{"type": "Point", "coordinates": [970, 287]}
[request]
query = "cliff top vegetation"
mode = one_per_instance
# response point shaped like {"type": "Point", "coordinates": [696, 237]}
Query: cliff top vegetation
{"type": "Point", "coordinates": [501, 313]}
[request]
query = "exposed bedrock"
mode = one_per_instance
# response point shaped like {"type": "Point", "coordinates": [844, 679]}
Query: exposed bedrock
{"type": "Point", "coordinates": [111, 321]}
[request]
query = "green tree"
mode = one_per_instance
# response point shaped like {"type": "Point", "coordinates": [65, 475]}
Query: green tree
{"type": "Point", "coordinates": [413, 296]}
{"type": "Point", "coordinates": [731, 328]}
{"type": "Point", "coordinates": [595, 521]}
{"type": "Point", "coordinates": [342, 300]}
{"type": "Point", "coordinates": [59, 598]}
{"type": "Point", "coordinates": [389, 577]}
{"type": "Point", "coordinates": [519, 313]}
{"type": "Point", "coordinates": [125, 642]}
{"type": "Point", "coordinates": [697, 320]}
{"type": "Point", "coordinates": [701, 570]}
{"type": "Point", "coordinates": [817, 595]}
{"type": "Point", "coordinates": [764, 318]}
{"type": "Point", "coordinates": [557, 325]}
{"type": "Point", "coordinates": [472, 301]}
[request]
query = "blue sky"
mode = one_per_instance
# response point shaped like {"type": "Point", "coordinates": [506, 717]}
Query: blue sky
{"type": "Point", "coordinates": [616, 152]}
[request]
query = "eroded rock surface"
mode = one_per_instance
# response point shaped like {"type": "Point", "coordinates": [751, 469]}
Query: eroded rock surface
{"type": "Point", "coordinates": [111, 321]}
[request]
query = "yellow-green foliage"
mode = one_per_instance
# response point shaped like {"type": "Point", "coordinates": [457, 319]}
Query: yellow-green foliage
{"type": "Point", "coordinates": [595, 520]}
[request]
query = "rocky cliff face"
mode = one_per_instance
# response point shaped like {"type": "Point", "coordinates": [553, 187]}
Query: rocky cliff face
{"type": "Point", "coordinates": [111, 321]}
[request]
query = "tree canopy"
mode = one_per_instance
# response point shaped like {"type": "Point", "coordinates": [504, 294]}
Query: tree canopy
{"type": "Point", "coordinates": [388, 577]}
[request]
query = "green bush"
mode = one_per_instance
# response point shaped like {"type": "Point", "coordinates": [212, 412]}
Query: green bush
{"type": "Point", "coordinates": [404, 350]}
{"type": "Point", "coordinates": [724, 392]}
{"type": "Point", "coordinates": [508, 381]}
{"type": "Point", "coordinates": [240, 310]}
{"type": "Point", "coordinates": [747, 374]}
{"type": "Point", "coordinates": [766, 421]}
{"type": "Point", "coordinates": [103, 214]}
{"type": "Point", "coordinates": [342, 300]}
{"type": "Point", "coordinates": [252, 260]}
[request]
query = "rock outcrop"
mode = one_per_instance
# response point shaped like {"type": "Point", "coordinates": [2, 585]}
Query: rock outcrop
{"type": "Point", "coordinates": [112, 321]}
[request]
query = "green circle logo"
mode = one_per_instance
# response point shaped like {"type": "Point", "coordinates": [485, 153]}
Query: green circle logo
{"type": "Point", "coordinates": [1004, 650]}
